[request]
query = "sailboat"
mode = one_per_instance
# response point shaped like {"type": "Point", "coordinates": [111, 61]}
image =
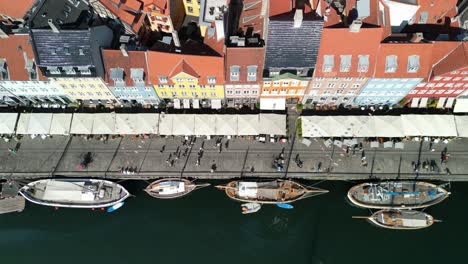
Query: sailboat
{"type": "Point", "coordinates": [74, 193]}
{"type": "Point", "coordinates": [400, 219]}
{"type": "Point", "coordinates": [397, 195]}
{"type": "Point", "coordinates": [268, 192]}
{"type": "Point", "coordinates": [172, 188]}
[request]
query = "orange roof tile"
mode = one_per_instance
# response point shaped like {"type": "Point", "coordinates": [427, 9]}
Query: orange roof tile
{"type": "Point", "coordinates": [115, 59]}
{"type": "Point", "coordinates": [440, 49]}
{"type": "Point", "coordinates": [162, 64]}
{"type": "Point", "coordinates": [15, 49]}
{"type": "Point", "coordinates": [243, 57]}
{"type": "Point", "coordinates": [455, 60]}
{"type": "Point", "coordinates": [126, 12]}
{"type": "Point", "coordinates": [185, 68]}
{"type": "Point", "coordinates": [365, 42]}
{"type": "Point", "coordinates": [15, 9]}
{"type": "Point", "coordinates": [403, 51]}
{"type": "Point", "coordinates": [436, 10]}
{"type": "Point", "coordinates": [278, 7]}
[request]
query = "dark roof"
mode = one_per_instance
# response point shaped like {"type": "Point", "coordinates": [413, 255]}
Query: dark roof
{"type": "Point", "coordinates": [67, 48]}
{"type": "Point", "coordinates": [287, 46]}
{"type": "Point", "coordinates": [72, 14]}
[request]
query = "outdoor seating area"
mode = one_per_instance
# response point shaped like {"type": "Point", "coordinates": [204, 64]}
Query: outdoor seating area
{"type": "Point", "coordinates": [46, 124]}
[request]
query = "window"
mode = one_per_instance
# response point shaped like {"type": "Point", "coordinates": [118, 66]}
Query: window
{"type": "Point", "coordinates": [190, 9]}
{"type": "Point", "coordinates": [356, 85]}
{"type": "Point", "coordinates": [246, 91]}
{"type": "Point", "coordinates": [276, 83]}
{"type": "Point", "coordinates": [316, 85]}
{"type": "Point", "coordinates": [363, 63]}
{"type": "Point", "coordinates": [391, 63]}
{"type": "Point", "coordinates": [211, 79]}
{"type": "Point", "coordinates": [203, 94]}
{"type": "Point", "coordinates": [344, 85]}
{"type": "Point", "coordinates": [174, 93]}
{"type": "Point", "coordinates": [345, 63]}
{"type": "Point", "coordinates": [328, 63]}
{"type": "Point", "coordinates": [181, 86]}
{"type": "Point", "coordinates": [331, 85]}
{"type": "Point", "coordinates": [184, 93]}
{"type": "Point", "coordinates": [4, 70]}
{"type": "Point", "coordinates": [202, 86]}
{"type": "Point", "coordinates": [234, 73]}
{"type": "Point", "coordinates": [285, 83]}
{"type": "Point", "coordinates": [32, 71]}
{"type": "Point", "coordinates": [266, 83]}
{"type": "Point", "coordinates": [191, 86]}
{"type": "Point", "coordinates": [248, 18]}
{"type": "Point", "coordinates": [252, 73]}
{"type": "Point", "coordinates": [162, 79]}
{"type": "Point", "coordinates": [413, 63]}
{"type": "Point", "coordinates": [194, 94]}
{"type": "Point", "coordinates": [213, 94]}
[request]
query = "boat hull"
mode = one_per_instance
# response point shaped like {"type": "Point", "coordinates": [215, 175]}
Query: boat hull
{"type": "Point", "coordinates": [399, 201]}
{"type": "Point", "coordinates": [28, 192]}
{"type": "Point", "coordinates": [188, 188]}
{"type": "Point", "coordinates": [376, 219]}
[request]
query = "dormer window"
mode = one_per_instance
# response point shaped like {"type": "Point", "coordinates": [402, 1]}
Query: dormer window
{"type": "Point", "coordinates": [211, 79]}
{"type": "Point", "coordinates": [69, 70]}
{"type": "Point", "coordinates": [345, 63]}
{"type": "Point", "coordinates": [363, 64]}
{"type": "Point", "coordinates": [84, 70]}
{"type": "Point", "coordinates": [413, 63]}
{"type": "Point", "coordinates": [328, 63]}
{"type": "Point", "coordinates": [53, 70]}
{"type": "Point", "coordinates": [391, 63]}
{"type": "Point", "coordinates": [162, 79]}
{"type": "Point", "coordinates": [117, 75]}
{"type": "Point", "coordinates": [32, 71]}
{"type": "Point", "coordinates": [252, 73]}
{"type": "Point", "coordinates": [234, 73]}
{"type": "Point", "coordinates": [137, 75]}
{"type": "Point", "coordinates": [4, 74]}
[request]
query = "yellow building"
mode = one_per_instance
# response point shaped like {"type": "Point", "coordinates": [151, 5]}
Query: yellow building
{"type": "Point", "coordinates": [182, 76]}
{"type": "Point", "coordinates": [192, 7]}
{"type": "Point", "coordinates": [85, 89]}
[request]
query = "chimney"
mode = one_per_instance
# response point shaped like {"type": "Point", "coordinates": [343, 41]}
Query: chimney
{"type": "Point", "coordinates": [355, 26]}
{"type": "Point", "coordinates": [175, 37]}
{"type": "Point", "coordinates": [52, 26]}
{"type": "Point", "coordinates": [417, 37]}
{"type": "Point", "coordinates": [123, 49]}
{"type": "Point", "coordinates": [298, 18]}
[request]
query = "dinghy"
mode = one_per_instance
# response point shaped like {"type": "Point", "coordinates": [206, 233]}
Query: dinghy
{"type": "Point", "coordinates": [249, 208]}
{"type": "Point", "coordinates": [172, 188]}
{"type": "Point", "coordinates": [400, 219]}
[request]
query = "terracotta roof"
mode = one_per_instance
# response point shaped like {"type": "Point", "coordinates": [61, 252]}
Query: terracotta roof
{"type": "Point", "coordinates": [129, 11]}
{"type": "Point", "coordinates": [251, 18]}
{"type": "Point", "coordinates": [14, 49]}
{"type": "Point", "coordinates": [115, 59]}
{"type": "Point", "coordinates": [441, 49]}
{"type": "Point", "coordinates": [15, 9]}
{"type": "Point", "coordinates": [455, 60]}
{"type": "Point", "coordinates": [403, 51]}
{"type": "Point", "coordinates": [163, 63]}
{"type": "Point", "coordinates": [436, 10]}
{"type": "Point", "coordinates": [185, 68]}
{"type": "Point", "coordinates": [162, 5]}
{"type": "Point", "coordinates": [243, 57]}
{"type": "Point", "coordinates": [280, 7]}
{"type": "Point", "coordinates": [365, 42]}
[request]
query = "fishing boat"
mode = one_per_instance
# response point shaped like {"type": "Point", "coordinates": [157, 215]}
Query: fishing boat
{"type": "Point", "coordinates": [74, 193]}
{"type": "Point", "coordinates": [249, 208]}
{"type": "Point", "coordinates": [400, 219]}
{"type": "Point", "coordinates": [397, 195]}
{"type": "Point", "coordinates": [172, 188]}
{"type": "Point", "coordinates": [268, 192]}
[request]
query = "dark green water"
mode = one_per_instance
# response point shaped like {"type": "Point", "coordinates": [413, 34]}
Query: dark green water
{"type": "Point", "coordinates": [207, 227]}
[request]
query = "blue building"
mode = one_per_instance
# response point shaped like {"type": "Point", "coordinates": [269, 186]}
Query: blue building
{"type": "Point", "coordinates": [385, 91]}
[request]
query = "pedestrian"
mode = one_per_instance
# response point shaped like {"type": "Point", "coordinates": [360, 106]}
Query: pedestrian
{"type": "Point", "coordinates": [252, 169]}
{"type": "Point", "coordinates": [12, 151]}
{"type": "Point", "coordinates": [172, 163]}
{"type": "Point", "coordinates": [177, 150]}
{"type": "Point", "coordinates": [213, 167]}
{"type": "Point", "coordinates": [226, 145]}
{"type": "Point", "coordinates": [185, 152]}
{"type": "Point", "coordinates": [162, 148]}
{"type": "Point", "coordinates": [198, 162]}
{"type": "Point", "coordinates": [220, 148]}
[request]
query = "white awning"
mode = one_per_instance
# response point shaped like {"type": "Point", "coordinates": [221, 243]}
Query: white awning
{"type": "Point", "coordinates": [176, 103]}
{"type": "Point", "coordinates": [272, 124]}
{"type": "Point", "coordinates": [415, 102]}
{"type": "Point", "coordinates": [441, 102]}
{"type": "Point", "coordinates": [429, 125]}
{"type": "Point", "coordinates": [60, 124]}
{"type": "Point", "coordinates": [387, 126]}
{"type": "Point", "coordinates": [462, 125]}
{"type": "Point", "coordinates": [312, 127]}
{"type": "Point", "coordinates": [34, 123]}
{"type": "Point", "coordinates": [196, 103]}
{"type": "Point", "coordinates": [165, 124]}
{"type": "Point", "coordinates": [272, 103]}
{"type": "Point", "coordinates": [226, 125]}
{"type": "Point", "coordinates": [186, 103]}
{"type": "Point", "coordinates": [8, 122]}
{"type": "Point", "coordinates": [82, 124]}
{"type": "Point", "coordinates": [205, 125]}
{"type": "Point", "coordinates": [450, 102]}
{"type": "Point", "coordinates": [135, 124]}
{"type": "Point", "coordinates": [423, 102]}
{"type": "Point", "coordinates": [183, 125]}
{"type": "Point", "coordinates": [216, 104]}
{"type": "Point", "coordinates": [247, 125]}
{"type": "Point", "coordinates": [103, 124]}
{"type": "Point", "coordinates": [461, 106]}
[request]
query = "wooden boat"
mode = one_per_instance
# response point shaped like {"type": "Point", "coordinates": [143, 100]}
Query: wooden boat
{"type": "Point", "coordinates": [172, 188]}
{"type": "Point", "coordinates": [268, 192]}
{"type": "Point", "coordinates": [249, 208]}
{"type": "Point", "coordinates": [74, 193]}
{"type": "Point", "coordinates": [397, 195]}
{"type": "Point", "coordinates": [400, 219]}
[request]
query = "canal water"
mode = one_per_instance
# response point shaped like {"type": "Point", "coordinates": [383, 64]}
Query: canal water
{"type": "Point", "coordinates": [206, 227]}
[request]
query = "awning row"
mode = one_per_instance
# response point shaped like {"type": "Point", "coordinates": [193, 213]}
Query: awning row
{"type": "Point", "coordinates": [385, 126]}
{"type": "Point", "coordinates": [132, 124]}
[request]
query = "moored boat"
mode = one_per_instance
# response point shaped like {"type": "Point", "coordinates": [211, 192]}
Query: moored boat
{"type": "Point", "coordinates": [172, 188]}
{"type": "Point", "coordinates": [268, 192]}
{"type": "Point", "coordinates": [397, 195]}
{"type": "Point", "coordinates": [401, 219]}
{"type": "Point", "coordinates": [74, 193]}
{"type": "Point", "coordinates": [249, 208]}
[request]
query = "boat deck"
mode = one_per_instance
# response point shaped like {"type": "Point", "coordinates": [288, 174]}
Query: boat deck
{"type": "Point", "coordinates": [10, 205]}
{"type": "Point", "coordinates": [267, 191]}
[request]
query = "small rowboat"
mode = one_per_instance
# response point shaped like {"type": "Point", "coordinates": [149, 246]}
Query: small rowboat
{"type": "Point", "coordinates": [115, 207]}
{"type": "Point", "coordinates": [172, 188]}
{"type": "Point", "coordinates": [249, 208]}
{"type": "Point", "coordinates": [268, 192]}
{"type": "Point", "coordinates": [403, 220]}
